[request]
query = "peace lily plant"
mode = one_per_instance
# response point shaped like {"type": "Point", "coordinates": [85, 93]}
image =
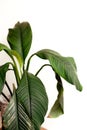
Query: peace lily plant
{"type": "Point", "coordinates": [28, 104]}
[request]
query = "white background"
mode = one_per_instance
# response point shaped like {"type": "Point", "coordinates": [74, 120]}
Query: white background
{"type": "Point", "coordinates": [60, 25]}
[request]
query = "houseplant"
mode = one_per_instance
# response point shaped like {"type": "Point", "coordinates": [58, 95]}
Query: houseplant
{"type": "Point", "coordinates": [28, 104]}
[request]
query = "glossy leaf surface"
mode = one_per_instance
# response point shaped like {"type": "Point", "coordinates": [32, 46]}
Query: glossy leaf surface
{"type": "Point", "coordinates": [31, 93]}
{"type": "Point", "coordinates": [20, 38]}
{"type": "Point", "coordinates": [63, 66]}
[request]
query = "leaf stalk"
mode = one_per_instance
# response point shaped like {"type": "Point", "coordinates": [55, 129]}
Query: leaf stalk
{"type": "Point", "coordinates": [42, 68]}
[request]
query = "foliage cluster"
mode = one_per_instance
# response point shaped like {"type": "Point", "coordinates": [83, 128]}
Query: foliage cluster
{"type": "Point", "coordinates": [29, 102]}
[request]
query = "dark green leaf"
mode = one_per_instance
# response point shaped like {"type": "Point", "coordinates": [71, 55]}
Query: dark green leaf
{"type": "Point", "coordinates": [20, 38]}
{"type": "Point", "coordinates": [3, 70]}
{"type": "Point", "coordinates": [63, 66]}
{"type": "Point", "coordinates": [58, 108]}
{"type": "Point", "coordinates": [31, 93]}
{"type": "Point", "coordinates": [15, 117]}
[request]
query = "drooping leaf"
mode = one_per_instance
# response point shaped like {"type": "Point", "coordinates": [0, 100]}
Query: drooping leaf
{"type": "Point", "coordinates": [71, 60]}
{"type": "Point", "coordinates": [3, 70]}
{"type": "Point", "coordinates": [31, 93]}
{"type": "Point", "coordinates": [63, 66]}
{"type": "Point", "coordinates": [58, 107]}
{"type": "Point", "coordinates": [15, 117]}
{"type": "Point", "coordinates": [11, 53]}
{"type": "Point", "coordinates": [20, 38]}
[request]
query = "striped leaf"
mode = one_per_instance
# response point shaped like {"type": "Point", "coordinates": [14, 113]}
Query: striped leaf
{"type": "Point", "coordinates": [31, 93]}
{"type": "Point", "coordinates": [28, 107]}
{"type": "Point", "coordinates": [15, 117]}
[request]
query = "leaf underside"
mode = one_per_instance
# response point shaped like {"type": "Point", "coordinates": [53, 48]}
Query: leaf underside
{"type": "Point", "coordinates": [58, 107]}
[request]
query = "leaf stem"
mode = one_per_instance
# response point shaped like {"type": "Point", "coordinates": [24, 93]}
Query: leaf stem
{"type": "Point", "coordinates": [16, 74]}
{"type": "Point", "coordinates": [42, 68]}
{"type": "Point", "coordinates": [28, 63]}
{"type": "Point", "coordinates": [5, 96]}
{"type": "Point", "coordinates": [16, 71]}
{"type": "Point", "coordinates": [8, 88]}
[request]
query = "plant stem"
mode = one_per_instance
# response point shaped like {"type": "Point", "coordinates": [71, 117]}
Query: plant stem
{"type": "Point", "coordinates": [42, 68]}
{"type": "Point", "coordinates": [15, 69]}
{"type": "Point", "coordinates": [8, 87]}
{"type": "Point", "coordinates": [5, 96]}
{"type": "Point", "coordinates": [28, 63]}
{"type": "Point", "coordinates": [16, 72]}
{"type": "Point", "coordinates": [17, 75]}
{"type": "Point", "coordinates": [10, 69]}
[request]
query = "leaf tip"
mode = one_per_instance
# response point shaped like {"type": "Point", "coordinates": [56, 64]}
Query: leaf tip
{"type": "Point", "coordinates": [81, 88]}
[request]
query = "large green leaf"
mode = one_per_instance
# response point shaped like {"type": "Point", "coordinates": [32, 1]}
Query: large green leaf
{"type": "Point", "coordinates": [58, 107]}
{"type": "Point", "coordinates": [63, 66]}
{"type": "Point", "coordinates": [31, 93]}
{"type": "Point", "coordinates": [3, 70]}
{"type": "Point", "coordinates": [11, 53]}
{"type": "Point", "coordinates": [20, 38]}
{"type": "Point", "coordinates": [15, 117]}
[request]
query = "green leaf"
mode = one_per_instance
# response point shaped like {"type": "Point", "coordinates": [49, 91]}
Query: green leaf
{"type": "Point", "coordinates": [20, 38]}
{"type": "Point", "coordinates": [11, 53]}
{"type": "Point", "coordinates": [31, 93]}
{"type": "Point", "coordinates": [58, 107]}
{"type": "Point", "coordinates": [3, 70]}
{"type": "Point", "coordinates": [15, 117]}
{"type": "Point", "coordinates": [63, 66]}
